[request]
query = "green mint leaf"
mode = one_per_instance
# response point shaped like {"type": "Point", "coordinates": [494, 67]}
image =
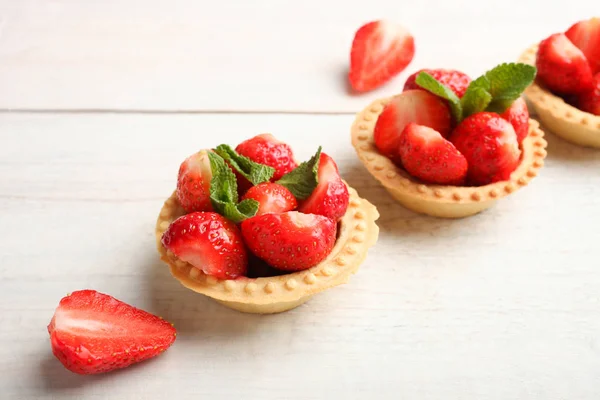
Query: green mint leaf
{"type": "Point", "coordinates": [254, 172]}
{"type": "Point", "coordinates": [248, 207]}
{"type": "Point", "coordinates": [239, 212]}
{"type": "Point", "coordinates": [303, 179]}
{"type": "Point", "coordinates": [507, 82]}
{"type": "Point", "coordinates": [477, 97]}
{"type": "Point", "coordinates": [429, 83]}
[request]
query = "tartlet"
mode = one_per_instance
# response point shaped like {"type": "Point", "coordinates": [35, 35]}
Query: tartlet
{"type": "Point", "coordinates": [357, 232]}
{"type": "Point", "coordinates": [563, 119]}
{"type": "Point", "coordinates": [438, 200]}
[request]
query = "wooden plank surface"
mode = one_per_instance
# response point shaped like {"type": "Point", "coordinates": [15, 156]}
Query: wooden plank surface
{"type": "Point", "coordinates": [501, 306]}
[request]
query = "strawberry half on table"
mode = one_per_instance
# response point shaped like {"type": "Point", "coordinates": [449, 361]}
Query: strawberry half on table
{"type": "Point", "coordinates": [93, 333]}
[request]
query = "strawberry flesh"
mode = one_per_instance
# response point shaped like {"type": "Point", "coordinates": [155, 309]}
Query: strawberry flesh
{"type": "Point", "coordinates": [209, 242]}
{"type": "Point", "coordinates": [590, 101]}
{"type": "Point", "coordinates": [272, 198]}
{"type": "Point", "coordinates": [291, 241]}
{"type": "Point", "coordinates": [518, 115]}
{"type": "Point", "coordinates": [380, 50]}
{"type": "Point", "coordinates": [586, 36]}
{"type": "Point", "coordinates": [93, 333]}
{"type": "Point", "coordinates": [265, 149]}
{"type": "Point", "coordinates": [457, 81]}
{"type": "Point", "coordinates": [193, 183]}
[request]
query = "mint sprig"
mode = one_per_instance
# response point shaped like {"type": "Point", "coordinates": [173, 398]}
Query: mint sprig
{"type": "Point", "coordinates": [224, 194]}
{"type": "Point", "coordinates": [256, 173]}
{"type": "Point", "coordinates": [303, 179]}
{"type": "Point", "coordinates": [429, 83]}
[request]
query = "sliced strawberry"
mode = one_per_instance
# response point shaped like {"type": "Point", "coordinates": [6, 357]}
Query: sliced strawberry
{"type": "Point", "coordinates": [426, 155]}
{"type": "Point", "coordinates": [416, 106]}
{"type": "Point", "coordinates": [291, 241]}
{"type": "Point", "coordinates": [265, 149]}
{"type": "Point", "coordinates": [489, 143]}
{"type": "Point", "coordinates": [272, 198]}
{"type": "Point", "coordinates": [380, 50]}
{"type": "Point", "coordinates": [518, 115]}
{"type": "Point", "coordinates": [193, 183]}
{"type": "Point", "coordinates": [586, 36]}
{"type": "Point", "coordinates": [562, 67]}
{"type": "Point", "coordinates": [330, 197]}
{"type": "Point", "coordinates": [209, 242]}
{"type": "Point", "coordinates": [457, 81]}
{"type": "Point", "coordinates": [590, 101]}
{"type": "Point", "coordinates": [92, 333]}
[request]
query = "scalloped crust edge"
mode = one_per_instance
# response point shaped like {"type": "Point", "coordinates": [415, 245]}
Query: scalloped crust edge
{"type": "Point", "coordinates": [358, 232]}
{"type": "Point", "coordinates": [438, 200]}
{"type": "Point", "coordinates": [564, 120]}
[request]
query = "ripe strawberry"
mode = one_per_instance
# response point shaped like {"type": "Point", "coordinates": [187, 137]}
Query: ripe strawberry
{"type": "Point", "coordinates": [586, 36]}
{"type": "Point", "coordinates": [291, 241]}
{"type": "Point", "coordinates": [426, 155]}
{"type": "Point", "coordinates": [457, 81]}
{"type": "Point", "coordinates": [416, 106]}
{"type": "Point", "coordinates": [518, 115]}
{"type": "Point", "coordinates": [380, 50]}
{"type": "Point", "coordinates": [590, 101]}
{"type": "Point", "coordinates": [209, 242]}
{"type": "Point", "coordinates": [489, 143]}
{"type": "Point", "coordinates": [193, 183]}
{"type": "Point", "coordinates": [92, 333]}
{"type": "Point", "coordinates": [272, 198]}
{"type": "Point", "coordinates": [265, 149]}
{"type": "Point", "coordinates": [562, 67]}
{"type": "Point", "coordinates": [330, 197]}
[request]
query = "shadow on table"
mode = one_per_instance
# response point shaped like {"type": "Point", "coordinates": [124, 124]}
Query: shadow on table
{"type": "Point", "coordinates": [563, 151]}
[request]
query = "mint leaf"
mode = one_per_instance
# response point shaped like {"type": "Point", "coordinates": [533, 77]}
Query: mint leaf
{"type": "Point", "coordinates": [477, 97]}
{"type": "Point", "coordinates": [507, 82]}
{"type": "Point", "coordinates": [254, 172]}
{"type": "Point", "coordinates": [248, 207]}
{"type": "Point", "coordinates": [303, 179]}
{"type": "Point", "coordinates": [239, 212]}
{"type": "Point", "coordinates": [429, 83]}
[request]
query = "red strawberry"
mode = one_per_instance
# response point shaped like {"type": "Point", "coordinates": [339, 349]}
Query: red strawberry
{"type": "Point", "coordinates": [272, 198]}
{"type": "Point", "coordinates": [92, 333]}
{"type": "Point", "coordinates": [330, 197]}
{"type": "Point", "coordinates": [426, 155]}
{"type": "Point", "coordinates": [586, 36]}
{"type": "Point", "coordinates": [416, 106]}
{"type": "Point", "coordinates": [489, 143]}
{"type": "Point", "coordinates": [518, 115]}
{"type": "Point", "coordinates": [291, 241]}
{"type": "Point", "coordinates": [590, 101]}
{"type": "Point", "coordinates": [265, 149]}
{"type": "Point", "coordinates": [209, 242]}
{"type": "Point", "coordinates": [193, 183]}
{"type": "Point", "coordinates": [380, 50]}
{"type": "Point", "coordinates": [457, 81]}
{"type": "Point", "coordinates": [562, 67]}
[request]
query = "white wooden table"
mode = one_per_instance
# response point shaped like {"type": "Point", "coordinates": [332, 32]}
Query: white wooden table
{"type": "Point", "coordinates": [102, 100]}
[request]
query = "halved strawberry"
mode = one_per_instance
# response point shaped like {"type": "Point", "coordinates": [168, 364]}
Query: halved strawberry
{"type": "Point", "coordinates": [489, 143]}
{"type": "Point", "coordinates": [586, 36]}
{"type": "Point", "coordinates": [590, 101]}
{"type": "Point", "coordinates": [518, 115]}
{"type": "Point", "coordinates": [265, 149]}
{"type": "Point", "coordinates": [291, 241]}
{"type": "Point", "coordinates": [457, 81]}
{"type": "Point", "coordinates": [209, 242]}
{"type": "Point", "coordinates": [193, 182]}
{"type": "Point", "coordinates": [426, 155]}
{"type": "Point", "coordinates": [330, 197]}
{"type": "Point", "coordinates": [380, 50]}
{"type": "Point", "coordinates": [92, 333]}
{"type": "Point", "coordinates": [416, 106]}
{"type": "Point", "coordinates": [272, 198]}
{"type": "Point", "coordinates": [562, 67]}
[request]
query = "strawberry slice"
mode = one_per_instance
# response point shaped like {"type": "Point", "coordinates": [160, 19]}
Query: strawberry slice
{"type": "Point", "coordinates": [586, 36]}
{"type": "Point", "coordinates": [265, 149]}
{"type": "Point", "coordinates": [291, 241]}
{"type": "Point", "coordinates": [93, 333]}
{"type": "Point", "coordinates": [489, 143]}
{"type": "Point", "coordinates": [590, 101]}
{"type": "Point", "coordinates": [562, 67]}
{"type": "Point", "coordinates": [272, 198]}
{"type": "Point", "coordinates": [457, 81]}
{"type": "Point", "coordinates": [416, 106]}
{"type": "Point", "coordinates": [426, 155]}
{"type": "Point", "coordinates": [330, 198]}
{"type": "Point", "coordinates": [193, 182]}
{"type": "Point", "coordinates": [209, 242]}
{"type": "Point", "coordinates": [380, 50]}
{"type": "Point", "coordinates": [518, 115]}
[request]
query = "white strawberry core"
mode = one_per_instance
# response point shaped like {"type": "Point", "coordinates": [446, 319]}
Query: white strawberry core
{"type": "Point", "coordinates": [565, 49]}
{"type": "Point", "coordinates": [301, 220]}
{"type": "Point", "coordinates": [390, 33]}
{"type": "Point", "coordinates": [69, 321]}
{"type": "Point", "coordinates": [508, 138]}
{"type": "Point", "coordinates": [428, 134]}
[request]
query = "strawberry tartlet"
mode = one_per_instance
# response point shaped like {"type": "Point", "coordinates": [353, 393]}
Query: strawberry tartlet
{"type": "Point", "coordinates": [566, 94]}
{"type": "Point", "coordinates": [260, 233]}
{"type": "Point", "coordinates": [449, 146]}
